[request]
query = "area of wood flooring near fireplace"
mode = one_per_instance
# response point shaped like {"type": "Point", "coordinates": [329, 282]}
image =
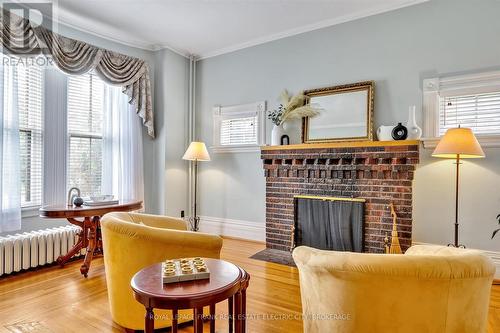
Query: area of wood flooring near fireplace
{"type": "Point", "coordinates": [61, 300]}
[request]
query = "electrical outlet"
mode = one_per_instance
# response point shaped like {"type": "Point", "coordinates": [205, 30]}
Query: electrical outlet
{"type": "Point", "coordinates": [182, 214]}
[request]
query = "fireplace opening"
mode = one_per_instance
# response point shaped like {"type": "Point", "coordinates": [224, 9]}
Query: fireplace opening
{"type": "Point", "coordinates": [329, 223]}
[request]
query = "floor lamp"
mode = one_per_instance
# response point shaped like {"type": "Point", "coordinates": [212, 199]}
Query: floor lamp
{"type": "Point", "coordinates": [197, 151]}
{"type": "Point", "coordinates": [458, 143]}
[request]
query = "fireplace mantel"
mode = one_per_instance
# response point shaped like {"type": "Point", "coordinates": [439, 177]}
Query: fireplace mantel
{"type": "Point", "coordinates": [381, 172]}
{"type": "Point", "coordinates": [343, 144]}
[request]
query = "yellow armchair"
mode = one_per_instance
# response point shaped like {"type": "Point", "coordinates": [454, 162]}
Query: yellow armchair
{"type": "Point", "coordinates": [133, 241]}
{"type": "Point", "coordinates": [430, 289]}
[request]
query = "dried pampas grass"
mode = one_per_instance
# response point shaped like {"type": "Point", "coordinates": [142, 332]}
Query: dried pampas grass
{"type": "Point", "coordinates": [296, 107]}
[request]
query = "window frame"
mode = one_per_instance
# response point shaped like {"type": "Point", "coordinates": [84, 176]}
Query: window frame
{"type": "Point", "coordinates": [257, 109]}
{"type": "Point", "coordinates": [470, 84]}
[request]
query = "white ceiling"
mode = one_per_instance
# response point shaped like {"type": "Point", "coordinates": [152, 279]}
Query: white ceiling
{"type": "Point", "coordinates": [210, 27]}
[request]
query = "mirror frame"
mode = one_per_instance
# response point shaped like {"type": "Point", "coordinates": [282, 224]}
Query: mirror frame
{"type": "Point", "coordinates": [365, 85]}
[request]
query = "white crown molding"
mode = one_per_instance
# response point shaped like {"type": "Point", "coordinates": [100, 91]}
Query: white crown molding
{"type": "Point", "coordinates": [105, 31]}
{"type": "Point", "coordinates": [109, 32]}
{"type": "Point", "coordinates": [307, 28]}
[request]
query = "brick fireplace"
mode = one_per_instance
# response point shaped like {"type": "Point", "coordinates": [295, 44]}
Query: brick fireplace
{"type": "Point", "coordinates": [379, 172]}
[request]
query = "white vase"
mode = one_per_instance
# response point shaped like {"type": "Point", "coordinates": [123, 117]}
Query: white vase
{"type": "Point", "coordinates": [293, 129]}
{"type": "Point", "coordinates": [276, 134]}
{"type": "Point", "coordinates": [414, 132]}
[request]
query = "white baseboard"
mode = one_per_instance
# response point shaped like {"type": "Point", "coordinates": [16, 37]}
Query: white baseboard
{"type": "Point", "coordinates": [233, 228]}
{"type": "Point", "coordinates": [495, 257]}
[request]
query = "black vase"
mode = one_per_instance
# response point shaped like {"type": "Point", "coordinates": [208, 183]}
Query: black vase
{"type": "Point", "coordinates": [399, 132]}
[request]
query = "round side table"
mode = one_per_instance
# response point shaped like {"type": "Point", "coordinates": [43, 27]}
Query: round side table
{"type": "Point", "coordinates": [227, 281]}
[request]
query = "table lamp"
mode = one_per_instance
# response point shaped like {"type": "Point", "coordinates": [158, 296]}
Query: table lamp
{"type": "Point", "coordinates": [458, 143]}
{"type": "Point", "coordinates": [197, 151]}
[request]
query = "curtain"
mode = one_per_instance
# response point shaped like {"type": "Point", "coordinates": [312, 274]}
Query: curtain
{"type": "Point", "coordinates": [76, 57]}
{"type": "Point", "coordinates": [10, 187]}
{"type": "Point", "coordinates": [122, 165]}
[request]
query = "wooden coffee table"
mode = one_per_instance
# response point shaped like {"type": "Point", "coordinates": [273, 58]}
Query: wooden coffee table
{"type": "Point", "coordinates": [227, 281]}
{"type": "Point", "coordinates": [89, 237]}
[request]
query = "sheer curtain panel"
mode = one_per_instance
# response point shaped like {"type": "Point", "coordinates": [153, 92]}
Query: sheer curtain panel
{"type": "Point", "coordinates": [10, 187]}
{"type": "Point", "coordinates": [122, 165]}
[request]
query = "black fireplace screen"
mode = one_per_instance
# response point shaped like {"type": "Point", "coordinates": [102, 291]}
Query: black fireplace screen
{"type": "Point", "coordinates": [329, 224]}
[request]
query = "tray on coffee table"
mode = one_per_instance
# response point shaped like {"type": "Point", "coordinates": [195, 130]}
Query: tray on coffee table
{"type": "Point", "coordinates": [184, 269]}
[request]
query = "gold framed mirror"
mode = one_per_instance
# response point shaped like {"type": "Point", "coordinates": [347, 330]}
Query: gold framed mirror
{"type": "Point", "coordinates": [347, 113]}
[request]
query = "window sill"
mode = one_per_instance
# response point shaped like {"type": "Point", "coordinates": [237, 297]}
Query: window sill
{"type": "Point", "coordinates": [487, 141]}
{"type": "Point", "coordinates": [30, 211]}
{"type": "Point", "coordinates": [235, 149]}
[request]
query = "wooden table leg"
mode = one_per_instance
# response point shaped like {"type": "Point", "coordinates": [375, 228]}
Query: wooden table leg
{"type": "Point", "coordinates": [198, 320]}
{"type": "Point", "coordinates": [92, 238]}
{"type": "Point", "coordinates": [237, 312]}
{"type": "Point", "coordinates": [80, 244]}
{"type": "Point", "coordinates": [243, 310]}
{"type": "Point", "coordinates": [149, 325]}
{"type": "Point", "coordinates": [230, 313]}
{"type": "Point", "coordinates": [175, 317]}
{"type": "Point", "coordinates": [212, 318]}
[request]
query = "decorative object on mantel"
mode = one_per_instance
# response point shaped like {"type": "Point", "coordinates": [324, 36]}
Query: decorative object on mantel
{"type": "Point", "coordinates": [414, 132]}
{"type": "Point", "coordinates": [458, 143]}
{"type": "Point", "coordinates": [75, 57]}
{"type": "Point", "coordinates": [384, 133]}
{"type": "Point", "coordinates": [285, 140]}
{"type": "Point", "coordinates": [399, 132]}
{"type": "Point", "coordinates": [394, 247]}
{"type": "Point", "coordinates": [197, 151]}
{"type": "Point", "coordinates": [290, 109]}
{"type": "Point", "coordinates": [347, 115]}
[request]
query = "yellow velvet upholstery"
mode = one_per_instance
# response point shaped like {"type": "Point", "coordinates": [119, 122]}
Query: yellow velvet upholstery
{"type": "Point", "coordinates": [133, 241]}
{"type": "Point", "coordinates": [430, 289]}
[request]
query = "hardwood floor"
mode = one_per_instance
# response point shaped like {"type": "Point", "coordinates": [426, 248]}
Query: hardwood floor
{"type": "Point", "coordinates": [59, 300]}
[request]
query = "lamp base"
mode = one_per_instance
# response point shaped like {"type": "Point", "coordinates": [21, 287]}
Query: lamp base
{"type": "Point", "coordinates": [460, 246]}
{"type": "Point", "coordinates": [194, 223]}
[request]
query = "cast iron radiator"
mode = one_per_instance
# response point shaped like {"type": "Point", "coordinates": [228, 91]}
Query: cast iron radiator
{"type": "Point", "coordinates": [329, 223]}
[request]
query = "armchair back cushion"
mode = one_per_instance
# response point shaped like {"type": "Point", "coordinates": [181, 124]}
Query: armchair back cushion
{"type": "Point", "coordinates": [429, 289]}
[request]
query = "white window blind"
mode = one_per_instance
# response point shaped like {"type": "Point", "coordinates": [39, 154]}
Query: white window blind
{"type": "Point", "coordinates": [480, 112]}
{"type": "Point", "coordinates": [30, 100]}
{"type": "Point", "coordinates": [239, 131]}
{"type": "Point", "coordinates": [85, 116]}
{"type": "Point", "coordinates": [239, 128]}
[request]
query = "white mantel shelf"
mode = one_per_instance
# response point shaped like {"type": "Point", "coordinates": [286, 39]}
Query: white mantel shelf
{"type": "Point", "coordinates": [343, 144]}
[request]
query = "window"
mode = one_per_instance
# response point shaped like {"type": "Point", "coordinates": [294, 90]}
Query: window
{"type": "Point", "coordinates": [469, 101]}
{"type": "Point", "coordinates": [480, 112]}
{"type": "Point", "coordinates": [239, 127]}
{"type": "Point", "coordinates": [85, 118]}
{"type": "Point", "coordinates": [30, 99]}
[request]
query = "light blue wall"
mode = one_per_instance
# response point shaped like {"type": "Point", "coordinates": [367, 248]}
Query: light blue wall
{"type": "Point", "coordinates": [398, 50]}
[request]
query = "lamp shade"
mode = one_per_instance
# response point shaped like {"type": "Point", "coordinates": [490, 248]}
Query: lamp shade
{"type": "Point", "coordinates": [458, 141]}
{"type": "Point", "coordinates": [197, 151]}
